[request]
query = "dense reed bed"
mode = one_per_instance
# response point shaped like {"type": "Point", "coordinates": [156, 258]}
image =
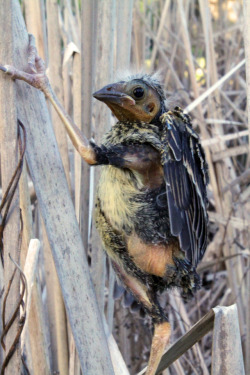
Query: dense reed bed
{"type": "Point", "coordinates": [201, 51]}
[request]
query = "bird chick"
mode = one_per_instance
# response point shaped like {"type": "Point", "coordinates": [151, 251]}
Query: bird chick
{"type": "Point", "coordinates": [151, 200]}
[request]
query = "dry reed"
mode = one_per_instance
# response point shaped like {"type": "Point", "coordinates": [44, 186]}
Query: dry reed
{"type": "Point", "coordinates": [198, 47]}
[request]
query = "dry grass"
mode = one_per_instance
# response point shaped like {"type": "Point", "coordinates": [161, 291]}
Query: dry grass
{"type": "Point", "coordinates": [198, 47]}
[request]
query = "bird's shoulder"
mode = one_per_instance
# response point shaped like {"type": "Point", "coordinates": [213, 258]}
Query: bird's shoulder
{"type": "Point", "coordinates": [178, 120]}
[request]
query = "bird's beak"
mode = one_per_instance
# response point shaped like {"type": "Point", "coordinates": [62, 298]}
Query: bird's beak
{"type": "Point", "coordinates": [114, 94]}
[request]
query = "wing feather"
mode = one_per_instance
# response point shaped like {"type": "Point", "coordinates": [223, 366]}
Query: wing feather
{"type": "Point", "coordinates": [174, 215]}
{"type": "Point", "coordinates": [186, 177]}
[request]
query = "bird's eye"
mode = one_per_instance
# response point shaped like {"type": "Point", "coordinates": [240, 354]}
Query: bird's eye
{"type": "Point", "coordinates": [138, 92]}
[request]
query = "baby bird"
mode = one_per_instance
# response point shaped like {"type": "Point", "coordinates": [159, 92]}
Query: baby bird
{"type": "Point", "coordinates": [151, 201]}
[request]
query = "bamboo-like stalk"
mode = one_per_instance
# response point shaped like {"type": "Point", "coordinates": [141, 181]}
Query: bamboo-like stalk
{"type": "Point", "coordinates": [123, 335]}
{"type": "Point", "coordinates": [34, 17]}
{"type": "Point", "coordinates": [9, 159]}
{"type": "Point", "coordinates": [227, 352]}
{"type": "Point", "coordinates": [66, 68]}
{"type": "Point", "coordinates": [1, 308]}
{"type": "Point", "coordinates": [38, 338]}
{"type": "Point", "coordinates": [116, 357]}
{"type": "Point", "coordinates": [77, 11]}
{"type": "Point", "coordinates": [123, 34]}
{"type": "Point", "coordinates": [55, 75]}
{"type": "Point", "coordinates": [72, 24]}
{"type": "Point", "coordinates": [57, 210]}
{"type": "Point", "coordinates": [34, 338]}
{"type": "Point", "coordinates": [30, 268]}
{"type": "Point", "coordinates": [139, 38]}
{"type": "Point", "coordinates": [25, 207]}
{"type": "Point", "coordinates": [88, 51]}
{"type": "Point", "coordinates": [26, 213]}
{"type": "Point", "coordinates": [74, 364]}
{"type": "Point", "coordinates": [247, 54]}
{"type": "Point", "coordinates": [56, 310]}
{"type": "Point", "coordinates": [77, 110]}
{"type": "Point", "coordinates": [104, 75]}
{"type": "Point", "coordinates": [159, 31]}
{"type": "Point", "coordinates": [178, 368]}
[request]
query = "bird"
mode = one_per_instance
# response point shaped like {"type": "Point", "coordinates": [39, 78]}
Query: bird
{"type": "Point", "coordinates": [151, 200]}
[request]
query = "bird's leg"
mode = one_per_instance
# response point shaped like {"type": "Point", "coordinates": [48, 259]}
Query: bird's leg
{"type": "Point", "coordinates": [37, 78]}
{"type": "Point", "coordinates": [161, 337]}
{"type": "Point", "coordinates": [162, 328]}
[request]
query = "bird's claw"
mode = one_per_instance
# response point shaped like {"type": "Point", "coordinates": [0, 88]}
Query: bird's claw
{"type": "Point", "coordinates": [36, 76]}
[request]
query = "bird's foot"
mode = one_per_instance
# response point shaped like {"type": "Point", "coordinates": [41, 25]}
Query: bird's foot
{"type": "Point", "coordinates": [36, 77]}
{"type": "Point", "coordinates": [35, 74]}
{"type": "Point", "coordinates": [160, 341]}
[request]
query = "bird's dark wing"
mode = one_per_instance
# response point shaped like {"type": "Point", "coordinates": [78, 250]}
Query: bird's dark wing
{"type": "Point", "coordinates": [186, 176]}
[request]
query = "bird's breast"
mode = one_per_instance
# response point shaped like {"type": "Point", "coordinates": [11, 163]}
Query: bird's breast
{"type": "Point", "coordinates": [130, 206]}
{"type": "Point", "coordinates": [116, 190]}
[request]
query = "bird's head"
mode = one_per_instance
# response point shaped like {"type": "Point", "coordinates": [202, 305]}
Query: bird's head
{"type": "Point", "coordinates": [139, 98]}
